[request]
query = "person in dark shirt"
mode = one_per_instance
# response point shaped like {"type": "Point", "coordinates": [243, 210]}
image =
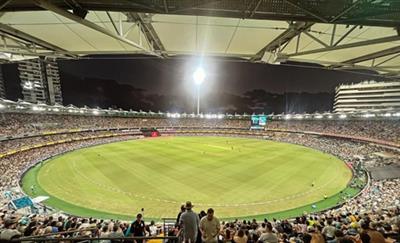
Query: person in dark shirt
{"type": "Point", "coordinates": [183, 209]}
{"type": "Point", "coordinates": [138, 228]}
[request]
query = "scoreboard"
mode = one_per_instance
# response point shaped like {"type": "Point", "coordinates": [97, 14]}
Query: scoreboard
{"type": "Point", "coordinates": [258, 121]}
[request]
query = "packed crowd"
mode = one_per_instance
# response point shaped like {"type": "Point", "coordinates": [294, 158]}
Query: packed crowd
{"type": "Point", "coordinates": [380, 194]}
{"type": "Point", "coordinates": [12, 166]}
{"type": "Point", "coordinates": [13, 124]}
{"type": "Point", "coordinates": [375, 210]}
{"type": "Point", "coordinates": [16, 144]}
{"type": "Point", "coordinates": [61, 226]}
{"type": "Point", "coordinates": [333, 226]}
{"type": "Point", "coordinates": [387, 130]}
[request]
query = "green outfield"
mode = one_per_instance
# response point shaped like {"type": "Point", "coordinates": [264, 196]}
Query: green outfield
{"type": "Point", "coordinates": [238, 177]}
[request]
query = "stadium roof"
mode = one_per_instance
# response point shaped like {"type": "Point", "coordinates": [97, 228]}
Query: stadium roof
{"type": "Point", "coordinates": [337, 34]}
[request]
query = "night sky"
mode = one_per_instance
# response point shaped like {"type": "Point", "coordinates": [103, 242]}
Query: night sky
{"type": "Point", "coordinates": [173, 76]}
{"type": "Point", "coordinates": [231, 85]}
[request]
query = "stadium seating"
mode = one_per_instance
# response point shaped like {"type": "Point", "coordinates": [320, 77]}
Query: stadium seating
{"type": "Point", "coordinates": [27, 139]}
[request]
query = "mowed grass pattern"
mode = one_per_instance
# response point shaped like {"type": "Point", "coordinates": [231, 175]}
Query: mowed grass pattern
{"type": "Point", "coordinates": [235, 176]}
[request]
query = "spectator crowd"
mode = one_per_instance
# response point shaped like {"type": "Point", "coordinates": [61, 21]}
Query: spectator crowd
{"type": "Point", "coordinates": [373, 216]}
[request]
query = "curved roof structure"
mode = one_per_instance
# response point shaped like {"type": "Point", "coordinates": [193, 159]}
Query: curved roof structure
{"type": "Point", "coordinates": [337, 34]}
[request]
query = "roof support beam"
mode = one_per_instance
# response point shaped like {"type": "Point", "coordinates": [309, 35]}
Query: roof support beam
{"type": "Point", "coordinates": [290, 2]}
{"type": "Point", "coordinates": [29, 38]}
{"type": "Point", "coordinates": [345, 35]}
{"type": "Point", "coordinates": [148, 30]}
{"type": "Point", "coordinates": [293, 30]}
{"type": "Point", "coordinates": [255, 9]}
{"type": "Point", "coordinates": [28, 53]}
{"type": "Point", "coordinates": [333, 35]}
{"type": "Point", "coordinates": [345, 11]}
{"type": "Point", "coordinates": [51, 7]}
{"type": "Point", "coordinates": [349, 45]}
{"type": "Point", "coordinates": [315, 39]}
{"type": "Point", "coordinates": [374, 55]}
{"type": "Point", "coordinates": [29, 47]}
{"type": "Point", "coordinates": [112, 22]}
{"type": "Point", "coordinates": [4, 3]}
{"type": "Point", "coordinates": [165, 6]}
{"type": "Point", "coordinates": [389, 59]}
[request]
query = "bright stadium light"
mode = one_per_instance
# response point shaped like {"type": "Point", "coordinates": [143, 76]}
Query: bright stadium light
{"type": "Point", "coordinates": [198, 76]}
{"type": "Point", "coordinates": [287, 117]}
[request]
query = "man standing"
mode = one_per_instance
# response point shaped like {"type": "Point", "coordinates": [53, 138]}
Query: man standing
{"type": "Point", "coordinates": [189, 222]}
{"type": "Point", "coordinates": [9, 232]}
{"type": "Point", "coordinates": [209, 227]}
{"type": "Point", "coordinates": [138, 228]}
{"type": "Point", "coordinates": [269, 236]}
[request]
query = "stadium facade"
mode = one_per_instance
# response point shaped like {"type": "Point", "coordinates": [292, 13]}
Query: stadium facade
{"type": "Point", "coordinates": [367, 96]}
{"type": "Point", "coordinates": [40, 81]}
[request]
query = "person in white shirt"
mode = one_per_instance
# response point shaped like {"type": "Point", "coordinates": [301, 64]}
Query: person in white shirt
{"type": "Point", "coordinates": [209, 227]}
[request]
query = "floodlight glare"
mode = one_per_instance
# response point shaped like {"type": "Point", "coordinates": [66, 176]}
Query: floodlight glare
{"type": "Point", "coordinates": [199, 75]}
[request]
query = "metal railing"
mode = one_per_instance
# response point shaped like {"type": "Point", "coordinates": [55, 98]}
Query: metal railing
{"type": "Point", "coordinates": [54, 238]}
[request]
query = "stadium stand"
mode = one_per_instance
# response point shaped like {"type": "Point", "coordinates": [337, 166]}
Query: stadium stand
{"type": "Point", "coordinates": [372, 216]}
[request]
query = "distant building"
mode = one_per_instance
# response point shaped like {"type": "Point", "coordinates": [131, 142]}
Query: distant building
{"type": "Point", "coordinates": [367, 96]}
{"type": "Point", "coordinates": [40, 81]}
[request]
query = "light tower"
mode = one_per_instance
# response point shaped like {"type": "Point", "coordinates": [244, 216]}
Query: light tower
{"type": "Point", "coordinates": [198, 76]}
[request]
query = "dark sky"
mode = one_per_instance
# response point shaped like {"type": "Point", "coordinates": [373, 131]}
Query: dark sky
{"type": "Point", "coordinates": [231, 85]}
{"type": "Point", "coordinates": [174, 76]}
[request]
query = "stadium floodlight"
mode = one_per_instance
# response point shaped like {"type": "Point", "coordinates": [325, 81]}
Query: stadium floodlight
{"type": "Point", "coordinates": [198, 76]}
{"type": "Point", "coordinates": [2, 106]}
{"type": "Point", "coordinates": [342, 116]}
{"type": "Point", "coordinates": [368, 115]}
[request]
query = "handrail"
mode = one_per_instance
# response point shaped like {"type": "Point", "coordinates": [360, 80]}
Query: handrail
{"type": "Point", "coordinates": [60, 233]}
{"type": "Point", "coordinates": [74, 239]}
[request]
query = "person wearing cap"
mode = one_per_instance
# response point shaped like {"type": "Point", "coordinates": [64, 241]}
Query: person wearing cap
{"type": "Point", "coordinates": [189, 223]}
{"type": "Point", "coordinates": [209, 227]}
{"type": "Point", "coordinates": [10, 231]}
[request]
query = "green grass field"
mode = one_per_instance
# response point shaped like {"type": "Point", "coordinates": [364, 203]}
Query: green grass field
{"type": "Point", "coordinates": [238, 177]}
